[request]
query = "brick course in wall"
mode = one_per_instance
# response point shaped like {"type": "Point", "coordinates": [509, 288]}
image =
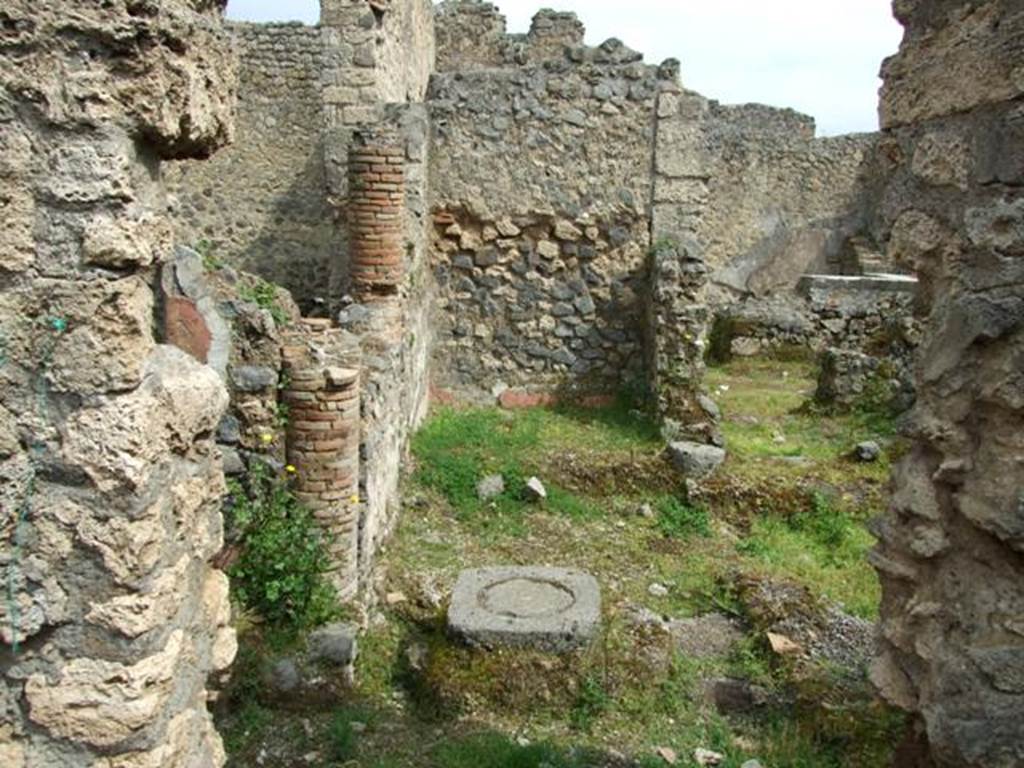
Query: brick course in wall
{"type": "Point", "coordinates": [375, 214]}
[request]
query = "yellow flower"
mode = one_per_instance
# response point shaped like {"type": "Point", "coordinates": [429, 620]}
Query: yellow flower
{"type": "Point", "coordinates": [290, 469]}
{"type": "Point", "coordinates": [355, 498]}
{"type": "Point", "coordinates": [266, 437]}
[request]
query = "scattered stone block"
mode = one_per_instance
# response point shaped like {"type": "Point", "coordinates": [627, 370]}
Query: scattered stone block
{"type": "Point", "coordinates": [668, 755]}
{"type": "Point", "coordinates": [695, 460]}
{"type": "Point", "coordinates": [732, 696]}
{"type": "Point", "coordinates": [283, 677]}
{"type": "Point", "coordinates": [334, 643]}
{"type": "Point", "coordinates": [549, 609]}
{"type": "Point", "coordinates": [490, 487]}
{"type": "Point", "coordinates": [707, 757]}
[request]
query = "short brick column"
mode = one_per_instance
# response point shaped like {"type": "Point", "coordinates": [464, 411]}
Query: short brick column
{"type": "Point", "coordinates": [322, 396]}
{"type": "Point", "coordinates": [375, 214]}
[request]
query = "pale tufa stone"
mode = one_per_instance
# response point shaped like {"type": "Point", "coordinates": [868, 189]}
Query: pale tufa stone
{"type": "Point", "coordinates": [189, 736]}
{"type": "Point", "coordinates": [130, 548]}
{"type": "Point", "coordinates": [109, 335]}
{"type": "Point", "coordinates": [118, 442]}
{"type": "Point", "coordinates": [102, 703]}
{"type": "Point", "coordinates": [134, 615]}
{"type": "Point", "coordinates": [118, 243]}
{"type": "Point", "coordinates": [17, 203]}
{"type": "Point", "coordinates": [217, 609]}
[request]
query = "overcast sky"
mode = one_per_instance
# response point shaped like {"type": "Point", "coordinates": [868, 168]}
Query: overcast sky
{"type": "Point", "coordinates": [818, 56]}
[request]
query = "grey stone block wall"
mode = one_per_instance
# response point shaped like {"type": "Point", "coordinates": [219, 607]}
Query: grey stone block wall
{"type": "Point", "coordinates": [782, 202]}
{"type": "Point", "coordinates": [541, 231]}
{"type": "Point", "coordinates": [951, 551]}
{"type": "Point", "coordinates": [272, 203]}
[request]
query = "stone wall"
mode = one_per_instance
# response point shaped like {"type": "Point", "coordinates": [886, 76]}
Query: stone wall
{"type": "Point", "coordinates": [541, 233]}
{"type": "Point", "coordinates": [856, 313]}
{"type": "Point", "coordinates": [781, 202]}
{"type": "Point", "coordinates": [273, 202]}
{"type": "Point", "coordinates": [678, 313]}
{"type": "Point", "coordinates": [261, 205]}
{"type": "Point", "coordinates": [395, 333]}
{"type": "Point", "coordinates": [109, 479]}
{"type": "Point", "coordinates": [951, 551]}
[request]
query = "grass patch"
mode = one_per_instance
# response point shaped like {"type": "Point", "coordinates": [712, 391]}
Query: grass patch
{"type": "Point", "coordinates": [823, 547]}
{"type": "Point", "coordinates": [803, 505]}
{"type": "Point", "coordinates": [592, 701]}
{"type": "Point", "coordinates": [493, 750]}
{"type": "Point", "coordinates": [247, 726]}
{"type": "Point", "coordinates": [679, 520]}
{"type": "Point", "coordinates": [456, 449]}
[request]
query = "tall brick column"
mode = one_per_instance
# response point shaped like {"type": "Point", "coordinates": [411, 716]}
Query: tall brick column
{"type": "Point", "coordinates": [375, 214]}
{"type": "Point", "coordinates": [322, 395]}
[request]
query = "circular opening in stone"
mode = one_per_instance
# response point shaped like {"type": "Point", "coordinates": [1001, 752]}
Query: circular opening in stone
{"type": "Point", "coordinates": [526, 598]}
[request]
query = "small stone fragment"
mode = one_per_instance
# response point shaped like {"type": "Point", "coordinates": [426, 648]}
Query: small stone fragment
{"type": "Point", "coordinates": [535, 490]}
{"type": "Point", "coordinates": [668, 755]}
{"type": "Point", "coordinates": [284, 676]}
{"type": "Point", "coordinates": [731, 696]}
{"type": "Point", "coordinates": [868, 451]}
{"type": "Point", "coordinates": [334, 643]}
{"type": "Point", "coordinates": [657, 590]}
{"type": "Point", "coordinates": [707, 757]}
{"type": "Point", "coordinates": [783, 645]}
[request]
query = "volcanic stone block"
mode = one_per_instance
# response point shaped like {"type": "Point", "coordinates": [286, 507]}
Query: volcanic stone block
{"type": "Point", "coordinates": [549, 609]}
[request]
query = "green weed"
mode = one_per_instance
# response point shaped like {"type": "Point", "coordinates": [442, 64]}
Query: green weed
{"type": "Point", "coordinates": [248, 725]}
{"type": "Point", "coordinates": [264, 295]}
{"type": "Point", "coordinates": [280, 572]}
{"type": "Point", "coordinates": [341, 738]}
{"type": "Point", "coordinates": [493, 750]}
{"type": "Point", "coordinates": [591, 701]}
{"type": "Point", "coordinates": [680, 520]}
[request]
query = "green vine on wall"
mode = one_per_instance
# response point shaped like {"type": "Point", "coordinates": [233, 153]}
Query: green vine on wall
{"type": "Point", "coordinates": [54, 328]}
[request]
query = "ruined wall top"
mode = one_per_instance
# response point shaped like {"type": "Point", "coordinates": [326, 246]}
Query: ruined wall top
{"type": "Point", "coordinates": [133, 64]}
{"type": "Point", "coordinates": [472, 35]}
{"type": "Point", "coordinates": [955, 57]}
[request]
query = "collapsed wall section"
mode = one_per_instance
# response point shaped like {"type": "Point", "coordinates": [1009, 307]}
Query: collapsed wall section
{"type": "Point", "coordinates": [109, 480]}
{"type": "Point", "coordinates": [951, 551]}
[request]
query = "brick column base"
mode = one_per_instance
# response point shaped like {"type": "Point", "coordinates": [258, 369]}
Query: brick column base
{"type": "Point", "coordinates": [322, 395]}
